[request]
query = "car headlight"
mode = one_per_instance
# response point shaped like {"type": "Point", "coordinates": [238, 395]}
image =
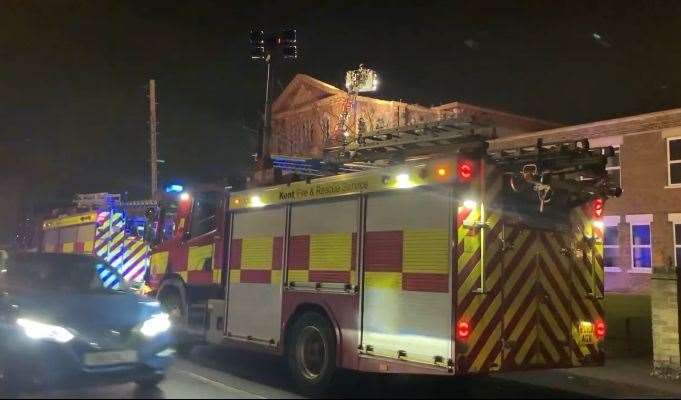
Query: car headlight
{"type": "Point", "coordinates": [38, 330]}
{"type": "Point", "coordinates": [155, 325]}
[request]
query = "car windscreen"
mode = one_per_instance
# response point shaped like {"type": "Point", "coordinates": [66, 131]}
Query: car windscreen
{"type": "Point", "coordinates": [74, 274]}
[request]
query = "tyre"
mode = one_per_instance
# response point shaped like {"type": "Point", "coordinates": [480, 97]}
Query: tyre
{"type": "Point", "coordinates": [150, 383]}
{"type": "Point", "coordinates": [311, 353]}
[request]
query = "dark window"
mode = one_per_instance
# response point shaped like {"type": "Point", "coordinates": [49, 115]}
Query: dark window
{"type": "Point", "coordinates": [203, 214]}
{"type": "Point", "coordinates": [611, 249]}
{"type": "Point", "coordinates": [675, 150]}
{"type": "Point", "coordinates": [614, 169]}
{"type": "Point", "coordinates": [677, 243]}
{"type": "Point", "coordinates": [675, 173]}
{"type": "Point", "coordinates": [611, 257]}
{"type": "Point", "coordinates": [674, 161]}
{"type": "Point", "coordinates": [611, 236]}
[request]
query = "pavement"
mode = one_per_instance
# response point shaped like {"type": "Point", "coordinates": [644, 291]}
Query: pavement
{"type": "Point", "coordinates": [212, 373]}
{"type": "Point", "coordinates": [619, 378]}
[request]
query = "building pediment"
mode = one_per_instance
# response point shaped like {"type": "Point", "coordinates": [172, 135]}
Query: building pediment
{"type": "Point", "coordinates": [302, 91]}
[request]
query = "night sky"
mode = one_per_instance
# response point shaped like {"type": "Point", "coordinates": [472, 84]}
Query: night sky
{"type": "Point", "coordinates": [73, 74]}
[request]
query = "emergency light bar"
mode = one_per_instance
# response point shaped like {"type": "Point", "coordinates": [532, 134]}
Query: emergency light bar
{"type": "Point", "coordinates": [174, 188]}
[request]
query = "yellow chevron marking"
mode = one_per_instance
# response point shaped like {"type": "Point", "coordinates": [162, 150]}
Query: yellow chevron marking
{"type": "Point", "coordinates": [184, 275]}
{"type": "Point", "coordinates": [526, 346]}
{"type": "Point", "coordinates": [491, 340]}
{"type": "Point", "coordinates": [528, 313]}
{"type": "Point", "coordinates": [217, 276]}
{"type": "Point", "coordinates": [553, 324]}
{"type": "Point", "coordinates": [548, 345]}
{"type": "Point", "coordinates": [490, 282]}
{"type": "Point", "coordinates": [331, 252]}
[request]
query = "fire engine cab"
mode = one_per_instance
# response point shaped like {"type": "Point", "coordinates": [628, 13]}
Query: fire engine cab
{"type": "Point", "coordinates": [442, 258]}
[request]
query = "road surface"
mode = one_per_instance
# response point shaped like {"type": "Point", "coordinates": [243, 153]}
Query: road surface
{"type": "Point", "coordinates": [217, 373]}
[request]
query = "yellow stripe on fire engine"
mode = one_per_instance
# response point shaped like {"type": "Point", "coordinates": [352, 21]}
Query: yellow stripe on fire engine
{"type": "Point", "coordinates": [78, 219]}
{"type": "Point", "coordinates": [331, 252]}
{"type": "Point", "coordinates": [88, 246]}
{"type": "Point", "coordinates": [383, 280]}
{"type": "Point", "coordinates": [342, 185]}
{"type": "Point", "coordinates": [184, 275]}
{"type": "Point", "coordinates": [256, 253]}
{"type": "Point", "coordinates": [217, 276]}
{"type": "Point", "coordinates": [159, 262]}
{"type": "Point", "coordinates": [197, 257]}
{"type": "Point", "coordinates": [298, 275]}
{"type": "Point", "coordinates": [235, 276]}
{"type": "Point", "coordinates": [426, 251]}
{"type": "Point", "coordinates": [67, 247]}
{"type": "Point", "coordinates": [275, 277]}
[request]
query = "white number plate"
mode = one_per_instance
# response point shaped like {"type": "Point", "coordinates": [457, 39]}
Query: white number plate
{"type": "Point", "coordinates": [104, 358]}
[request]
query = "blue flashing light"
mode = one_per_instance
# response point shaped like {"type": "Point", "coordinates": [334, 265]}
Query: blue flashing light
{"type": "Point", "coordinates": [174, 188]}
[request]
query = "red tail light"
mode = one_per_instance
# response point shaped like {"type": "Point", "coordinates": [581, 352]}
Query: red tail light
{"type": "Point", "coordinates": [465, 170]}
{"type": "Point", "coordinates": [600, 330]}
{"type": "Point", "coordinates": [598, 208]}
{"type": "Point", "coordinates": [463, 330]}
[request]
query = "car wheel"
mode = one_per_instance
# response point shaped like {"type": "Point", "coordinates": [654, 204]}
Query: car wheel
{"type": "Point", "coordinates": [312, 353]}
{"type": "Point", "coordinates": [150, 383]}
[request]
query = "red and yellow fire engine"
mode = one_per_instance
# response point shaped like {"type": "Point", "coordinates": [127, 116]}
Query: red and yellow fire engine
{"type": "Point", "coordinates": [462, 262]}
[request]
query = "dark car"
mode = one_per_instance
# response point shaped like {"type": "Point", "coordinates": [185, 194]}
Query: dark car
{"type": "Point", "coordinates": [70, 320]}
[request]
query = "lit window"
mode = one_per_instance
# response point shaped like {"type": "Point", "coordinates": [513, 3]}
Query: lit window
{"type": "Point", "coordinates": [611, 248]}
{"type": "Point", "coordinates": [614, 168]}
{"type": "Point", "coordinates": [674, 158]}
{"type": "Point", "coordinates": [641, 253]}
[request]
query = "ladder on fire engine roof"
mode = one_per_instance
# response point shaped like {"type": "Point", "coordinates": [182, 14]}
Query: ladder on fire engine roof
{"type": "Point", "coordinates": [397, 144]}
{"type": "Point", "coordinates": [386, 146]}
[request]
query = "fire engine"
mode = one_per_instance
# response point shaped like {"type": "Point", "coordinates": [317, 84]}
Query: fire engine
{"type": "Point", "coordinates": [101, 225]}
{"type": "Point", "coordinates": [417, 250]}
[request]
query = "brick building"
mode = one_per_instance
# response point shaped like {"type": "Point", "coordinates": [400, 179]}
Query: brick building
{"type": "Point", "coordinates": [643, 225]}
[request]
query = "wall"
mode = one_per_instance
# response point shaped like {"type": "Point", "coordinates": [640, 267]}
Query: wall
{"type": "Point", "coordinates": [666, 361]}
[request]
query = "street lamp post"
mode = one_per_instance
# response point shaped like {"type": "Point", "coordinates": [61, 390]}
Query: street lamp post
{"type": "Point", "coordinates": [265, 48]}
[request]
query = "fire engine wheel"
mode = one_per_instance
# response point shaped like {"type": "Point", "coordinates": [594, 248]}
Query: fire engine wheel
{"type": "Point", "coordinates": [312, 353]}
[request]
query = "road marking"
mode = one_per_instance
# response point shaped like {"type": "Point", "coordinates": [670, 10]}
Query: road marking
{"type": "Point", "coordinates": [216, 383]}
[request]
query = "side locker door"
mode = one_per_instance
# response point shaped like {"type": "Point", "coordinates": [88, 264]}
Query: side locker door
{"type": "Point", "coordinates": [555, 308]}
{"type": "Point", "coordinates": [407, 296]}
{"type": "Point", "coordinates": [255, 285]}
{"type": "Point", "coordinates": [588, 287]}
{"type": "Point", "coordinates": [519, 344]}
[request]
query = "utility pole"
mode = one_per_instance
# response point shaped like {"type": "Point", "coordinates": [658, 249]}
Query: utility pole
{"type": "Point", "coordinates": [152, 139]}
